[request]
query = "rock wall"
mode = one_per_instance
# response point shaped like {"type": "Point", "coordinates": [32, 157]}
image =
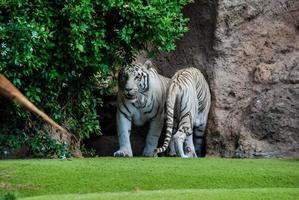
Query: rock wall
{"type": "Point", "coordinates": [249, 51]}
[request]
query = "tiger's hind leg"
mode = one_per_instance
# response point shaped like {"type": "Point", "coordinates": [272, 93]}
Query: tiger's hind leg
{"type": "Point", "coordinates": [198, 131]}
{"type": "Point", "coordinates": [171, 148]}
{"type": "Point", "coordinates": [185, 129]}
{"type": "Point", "coordinates": [198, 140]}
{"type": "Point", "coordinates": [179, 139]}
{"type": "Point", "coordinates": [189, 147]}
{"type": "Point", "coordinates": [172, 151]}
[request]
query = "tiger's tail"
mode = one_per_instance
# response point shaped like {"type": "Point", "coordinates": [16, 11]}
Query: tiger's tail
{"type": "Point", "coordinates": [170, 103]}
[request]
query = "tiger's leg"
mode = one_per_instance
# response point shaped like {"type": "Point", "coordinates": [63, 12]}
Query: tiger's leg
{"type": "Point", "coordinates": [198, 131]}
{"type": "Point", "coordinates": [152, 137]}
{"type": "Point", "coordinates": [171, 148]}
{"type": "Point", "coordinates": [185, 128]}
{"type": "Point", "coordinates": [179, 138]}
{"type": "Point", "coordinates": [189, 147]}
{"type": "Point", "coordinates": [123, 130]}
{"type": "Point", "coordinates": [198, 139]}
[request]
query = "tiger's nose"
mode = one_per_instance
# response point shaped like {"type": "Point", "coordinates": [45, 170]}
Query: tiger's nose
{"type": "Point", "coordinates": [128, 89]}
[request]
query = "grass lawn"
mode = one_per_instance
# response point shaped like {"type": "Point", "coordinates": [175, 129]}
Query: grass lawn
{"type": "Point", "coordinates": [150, 178]}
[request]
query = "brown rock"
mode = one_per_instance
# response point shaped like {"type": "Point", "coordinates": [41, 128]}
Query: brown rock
{"type": "Point", "coordinates": [262, 73]}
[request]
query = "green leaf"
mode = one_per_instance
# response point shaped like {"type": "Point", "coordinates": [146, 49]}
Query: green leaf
{"type": "Point", "coordinates": [80, 47]}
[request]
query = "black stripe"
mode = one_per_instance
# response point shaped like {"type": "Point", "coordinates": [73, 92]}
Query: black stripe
{"type": "Point", "coordinates": [151, 109]}
{"type": "Point", "coordinates": [134, 105]}
{"type": "Point", "coordinates": [144, 104]}
{"type": "Point", "coordinates": [188, 78]}
{"type": "Point", "coordinates": [168, 114]}
{"type": "Point", "coordinates": [155, 114]}
{"type": "Point", "coordinates": [147, 82]}
{"type": "Point", "coordinates": [197, 84]}
{"type": "Point", "coordinates": [198, 137]}
{"type": "Point", "coordinates": [184, 108]}
{"type": "Point", "coordinates": [200, 129]}
{"type": "Point", "coordinates": [126, 107]}
{"type": "Point", "coordinates": [188, 133]}
{"type": "Point", "coordinates": [162, 110]}
{"type": "Point", "coordinates": [201, 107]}
{"type": "Point", "coordinates": [185, 115]}
{"type": "Point", "coordinates": [180, 87]}
{"type": "Point", "coordinates": [181, 124]}
{"type": "Point", "coordinates": [126, 116]}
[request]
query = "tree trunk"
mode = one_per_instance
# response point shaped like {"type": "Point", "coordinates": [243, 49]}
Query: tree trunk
{"type": "Point", "coordinates": [58, 133]}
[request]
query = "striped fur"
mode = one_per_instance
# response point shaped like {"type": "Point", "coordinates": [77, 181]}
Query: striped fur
{"type": "Point", "coordinates": [188, 99]}
{"type": "Point", "coordinates": [141, 99]}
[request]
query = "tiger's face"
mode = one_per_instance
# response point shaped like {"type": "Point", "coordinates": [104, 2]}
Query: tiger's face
{"type": "Point", "coordinates": [133, 81]}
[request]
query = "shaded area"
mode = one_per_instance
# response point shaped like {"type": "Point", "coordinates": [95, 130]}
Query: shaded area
{"type": "Point", "coordinates": [107, 144]}
{"type": "Point", "coordinates": [196, 47]}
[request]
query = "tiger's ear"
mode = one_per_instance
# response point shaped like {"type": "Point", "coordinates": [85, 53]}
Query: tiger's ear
{"type": "Point", "coordinates": [148, 64]}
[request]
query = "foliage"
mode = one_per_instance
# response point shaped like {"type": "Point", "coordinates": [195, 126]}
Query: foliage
{"type": "Point", "coordinates": [40, 143]}
{"type": "Point", "coordinates": [9, 196]}
{"type": "Point", "coordinates": [52, 51]}
{"type": "Point", "coordinates": [43, 146]}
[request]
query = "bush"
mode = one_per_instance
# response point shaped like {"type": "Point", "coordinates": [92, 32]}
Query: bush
{"type": "Point", "coordinates": [9, 196]}
{"type": "Point", "coordinates": [52, 50]}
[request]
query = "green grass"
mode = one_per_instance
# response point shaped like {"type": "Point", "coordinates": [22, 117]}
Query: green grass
{"type": "Point", "coordinates": [202, 194]}
{"type": "Point", "coordinates": [151, 178]}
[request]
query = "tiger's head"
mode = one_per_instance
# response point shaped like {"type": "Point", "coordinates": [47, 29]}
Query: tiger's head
{"type": "Point", "coordinates": [134, 80]}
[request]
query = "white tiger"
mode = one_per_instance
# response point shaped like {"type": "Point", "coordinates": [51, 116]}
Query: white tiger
{"type": "Point", "coordinates": [141, 99]}
{"type": "Point", "coordinates": [189, 100]}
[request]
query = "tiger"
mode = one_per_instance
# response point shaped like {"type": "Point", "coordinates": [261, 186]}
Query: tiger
{"type": "Point", "coordinates": [188, 100]}
{"type": "Point", "coordinates": [141, 98]}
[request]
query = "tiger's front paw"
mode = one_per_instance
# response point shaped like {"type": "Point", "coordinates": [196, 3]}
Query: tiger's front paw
{"type": "Point", "coordinates": [123, 153]}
